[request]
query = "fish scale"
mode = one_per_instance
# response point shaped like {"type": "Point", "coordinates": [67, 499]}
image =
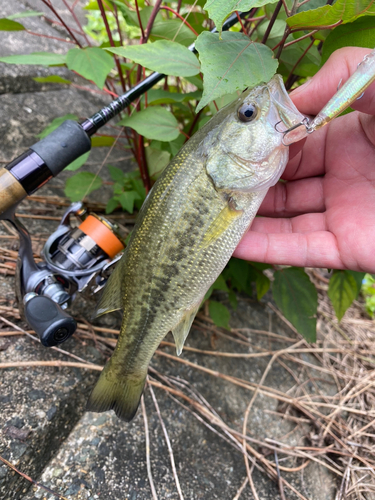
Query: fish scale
{"type": "Point", "coordinates": [185, 233]}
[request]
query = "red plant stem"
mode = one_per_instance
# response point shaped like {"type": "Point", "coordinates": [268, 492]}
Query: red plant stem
{"type": "Point", "coordinates": [255, 19]}
{"type": "Point", "coordinates": [289, 79]}
{"type": "Point", "coordinates": [194, 122]}
{"type": "Point", "coordinates": [151, 19]}
{"type": "Point", "coordinates": [283, 40]}
{"type": "Point", "coordinates": [299, 39]}
{"type": "Point", "coordinates": [54, 22]}
{"type": "Point", "coordinates": [118, 24]}
{"type": "Point", "coordinates": [110, 38]}
{"type": "Point", "coordinates": [272, 21]}
{"type": "Point", "coordinates": [71, 34]}
{"type": "Point", "coordinates": [179, 5]}
{"type": "Point", "coordinates": [257, 23]}
{"type": "Point", "coordinates": [143, 164]}
{"type": "Point", "coordinates": [50, 36]}
{"type": "Point", "coordinates": [95, 91]}
{"type": "Point", "coordinates": [182, 18]}
{"type": "Point", "coordinates": [240, 21]}
{"type": "Point", "coordinates": [185, 134]}
{"type": "Point", "coordinates": [139, 21]}
{"type": "Point", "coordinates": [77, 22]}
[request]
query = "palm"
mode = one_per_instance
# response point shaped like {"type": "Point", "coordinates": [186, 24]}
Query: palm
{"type": "Point", "coordinates": [324, 215]}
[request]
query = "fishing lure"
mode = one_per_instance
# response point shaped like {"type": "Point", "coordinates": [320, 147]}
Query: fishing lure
{"type": "Point", "coordinates": [352, 90]}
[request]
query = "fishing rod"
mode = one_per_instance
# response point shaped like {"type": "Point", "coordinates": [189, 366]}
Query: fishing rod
{"type": "Point", "coordinates": [74, 259]}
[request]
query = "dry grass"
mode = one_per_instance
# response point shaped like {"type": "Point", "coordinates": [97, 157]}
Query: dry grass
{"type": "Point", "coordinates": [341, 424]}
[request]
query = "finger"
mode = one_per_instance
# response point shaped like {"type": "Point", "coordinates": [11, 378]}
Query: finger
{"type": "Point", "coordinates": [288, 199]}
{"type": "Point", "coordinates": [306, 223]}
{"type": "Point", "coordinates": [313, 95]}
{"type": "Point", "coordinates": [318, 249]}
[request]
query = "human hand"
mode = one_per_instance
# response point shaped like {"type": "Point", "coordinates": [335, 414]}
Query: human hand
{"type": "Point", "coordinates": [324, 215]}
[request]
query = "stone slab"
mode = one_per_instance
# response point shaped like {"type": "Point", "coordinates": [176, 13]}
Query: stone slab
{"type": "Point", "coordinates": [19, 78]}
{"type": "Point", "coordinates": [105, 457]}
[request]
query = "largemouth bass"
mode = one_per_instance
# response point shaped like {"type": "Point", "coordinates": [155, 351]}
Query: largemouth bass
{"type": "Point", "coordinates": [185, 233]}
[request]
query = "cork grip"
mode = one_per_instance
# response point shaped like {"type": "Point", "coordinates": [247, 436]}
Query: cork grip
{"type": "Point", "coordinates": [11, 191]}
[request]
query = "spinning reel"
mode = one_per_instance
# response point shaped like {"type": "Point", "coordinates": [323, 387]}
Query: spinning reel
{"type": "Point", "coordinates": [75, 259]}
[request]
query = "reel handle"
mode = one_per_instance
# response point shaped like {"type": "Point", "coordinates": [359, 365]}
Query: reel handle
{"type": "Point", "coordinates": [52, 324]}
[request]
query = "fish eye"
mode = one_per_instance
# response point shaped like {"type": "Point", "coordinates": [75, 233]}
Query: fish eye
{"type": "Point", "coordinates": [247, 112]}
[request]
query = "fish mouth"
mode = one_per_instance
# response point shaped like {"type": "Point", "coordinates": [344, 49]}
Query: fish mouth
{"type": "Point", "coordinates": [288, 114]}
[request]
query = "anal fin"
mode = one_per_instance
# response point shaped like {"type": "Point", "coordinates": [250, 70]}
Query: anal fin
{"type": "Point", "coordinates": [181, 330]}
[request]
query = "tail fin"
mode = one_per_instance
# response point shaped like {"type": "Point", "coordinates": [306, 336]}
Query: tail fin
{"type": "Point", "coordinates": [113, 392]}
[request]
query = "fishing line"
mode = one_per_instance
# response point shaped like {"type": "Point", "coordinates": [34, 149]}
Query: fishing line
{"type": "Point", "coordinates": [103, 162]}
{"type": "Point", "coordinates": [185, 18]}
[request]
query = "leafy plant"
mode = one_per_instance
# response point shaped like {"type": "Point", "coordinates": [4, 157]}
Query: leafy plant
{"type": "Point", "coordinates": [124, 40]}
{"type": "Point", "coordinates": [368, 291]}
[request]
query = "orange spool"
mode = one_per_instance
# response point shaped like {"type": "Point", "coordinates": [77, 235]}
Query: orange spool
{"type": "Point", "coordinates": [103, 236]}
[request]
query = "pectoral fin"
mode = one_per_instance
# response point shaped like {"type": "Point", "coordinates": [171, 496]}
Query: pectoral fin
{"type": "Point", "coordinates": [222, 222]}
{"type": "Point", "coordinates": [181, 330]}
{"type": "Point", "coordinates": [112, 297]}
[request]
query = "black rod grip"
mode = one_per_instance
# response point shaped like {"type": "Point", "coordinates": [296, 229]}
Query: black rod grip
{"type": "Point", "coordinates": [52, 324]}
{"type": "Point", "coordinates": [62, 146]}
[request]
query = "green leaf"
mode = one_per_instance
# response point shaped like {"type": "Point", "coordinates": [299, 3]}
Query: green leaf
{"type": "Point", "coordinates": [219, 10]}
{"type": "Point", "coordinates": [342, 290]}
{"type": "Point", "coordinates": [56, 123]}
{"type": "Point", "coordinates": [42, 58]}
{"type": "Point", "coordinates": [278, 29]}
{"type": "Point", "coordinates": [343, 10]}
{"type": "Point", "coordinates": [25, 13]}
{"type": "Point", "coordinates": [102, 141]}
{"type": "Point", "coordinates": [116, 174]}
{"type": "Point", "coordinates": [359, 277]}
{"type": "Point", "coordinates": [80, 185]}
{"type": "Point", "coordinates": [157, 160]}
{"type": "Point", "coordinates": [232, 64]}
{"type": "Point", "coordinates": [164, 56]}
{"type": "Point", "coordinates": [262, 284]}
{"type": "Point", "coordinates": [219, 314]}
{"type": "Point", "coordinates": [92, 63]}
{"type": "Point", "coordinates": [311, 4]}
{"type": "Point", "coordinates": [219, 284]}
{"type": "Point", "coordinates": [360, 33]}
{"type": "Point", "coordinates": [127, 200]}
{"type": "Point", "coordinates": [112, 204]}
{"type": "Point", "coordinates": [9, 25]}
{"type": "Point", "coordinates": [310, 63]}
{"type": "Point", "coordinates": [154, 122]}
{"type": "Point", "coordinates": [195, 80]}
{"type": "Point", "coordinates": [160, 96]}
{"type": "Point", "coordinates": [233, 299]}
{"type": "Point", "coordinates": [241, 275]}
{"type": "Point", "coordinates": [51, 79]}
{"type": "Point", "coordinates": [297, 298]}
{"type": "Point", "coordinates": [174, 30]}
{"type": "Point", "coordinates": [76, 164]}
{"type": "Point", "coordinates": [173, 147]}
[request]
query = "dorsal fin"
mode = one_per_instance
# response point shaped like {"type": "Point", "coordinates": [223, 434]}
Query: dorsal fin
{"type": "Point", "coordinates": [181, 330]}
{"type": "Point", "coordinates": [112, 296]}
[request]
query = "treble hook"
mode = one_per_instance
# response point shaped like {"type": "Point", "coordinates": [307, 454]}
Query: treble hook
{"type": "Point", "coordinates": [305, 122]}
